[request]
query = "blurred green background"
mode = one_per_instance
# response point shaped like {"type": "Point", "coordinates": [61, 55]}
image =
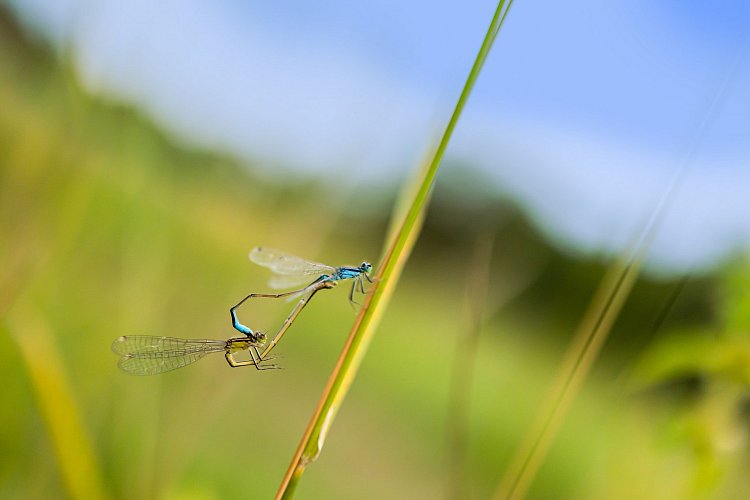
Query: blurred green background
{"type": "Point", "coordinates": [108, 227]}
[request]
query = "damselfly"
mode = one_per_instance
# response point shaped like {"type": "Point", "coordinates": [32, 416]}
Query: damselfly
{"type": "Point", "coordinates": [290, 270]}
{"type": "Point", "coordinates": [149, 355]}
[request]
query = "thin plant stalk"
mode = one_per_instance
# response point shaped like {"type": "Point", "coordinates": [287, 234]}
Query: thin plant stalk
{"type": "Point", "coordinates": [589, 338]}
{"type": "Point", "coordinates": [459, 399]}
{"type": "Point", "coordinates": [483, 301]}
{"type": "Point", "coordinates": [601, 314]}
{"type": "Point", "coordinates": [595, 326]}
{"type": "Point", "coordinates": [386, 279]}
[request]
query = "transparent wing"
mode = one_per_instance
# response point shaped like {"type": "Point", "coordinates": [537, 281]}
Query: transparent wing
{"type": "Point", "coordinates": [295, 270]}
{"type": "Point", "coordinates": [166, 346]}
{"type": "Point", "coordinates": [138, 364]}
{"type": "Point", "coordinates": [149, 355]}
{"type": "Point", "coordinates": [280, 281]}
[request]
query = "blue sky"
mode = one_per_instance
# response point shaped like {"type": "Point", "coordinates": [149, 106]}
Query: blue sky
{"type": "Point", "coordinates": [582, 114]}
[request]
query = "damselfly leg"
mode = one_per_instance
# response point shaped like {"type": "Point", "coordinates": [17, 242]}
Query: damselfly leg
{"type": "Point", "coordinates": [260, 364]}
{"type": "Point", "coordinates": [258, 357]}
{"type": "Point", "coordinates": [314, 288]}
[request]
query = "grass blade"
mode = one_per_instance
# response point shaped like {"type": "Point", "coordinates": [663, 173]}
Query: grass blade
{"type": "Point", "coordinates": [462, 374]}
{"type": "Point", "coordinates": [75, 454]}
{"type": "Point", "coordinates": [387, 276]}
{"type": "Point", "coordinates": [601, 314]}
{"type": "Point", "coordinates": [590, 336]}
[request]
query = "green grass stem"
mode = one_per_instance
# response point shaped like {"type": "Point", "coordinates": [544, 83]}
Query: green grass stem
{"type": "Point", "coordinates": [386, 279]}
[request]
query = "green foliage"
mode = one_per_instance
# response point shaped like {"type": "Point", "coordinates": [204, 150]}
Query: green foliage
{"type": "Point", "coordinates": [703, 377]}
{"type": "Point", "coordinates": [107, 227]}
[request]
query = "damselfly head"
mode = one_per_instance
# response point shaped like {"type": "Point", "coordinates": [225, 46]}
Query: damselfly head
{"type": "Point", "coordinates": [261, 337]}
{"type": "Point", "coordinates": [365, 266]}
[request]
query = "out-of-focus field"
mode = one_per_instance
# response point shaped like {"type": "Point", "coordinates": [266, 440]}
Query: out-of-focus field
{"type": "Point", "coordinates": [107, 228]}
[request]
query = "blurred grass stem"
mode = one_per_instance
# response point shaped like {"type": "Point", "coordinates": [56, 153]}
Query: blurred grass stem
{"type": "Point", "coordinates": [600, 316]}
{"type": "Point", "coordinates": [459, 403]}
{"type": "Point", "coordinates": [590, 336]}
{"type": "Point", "coordinates": [75, 454]}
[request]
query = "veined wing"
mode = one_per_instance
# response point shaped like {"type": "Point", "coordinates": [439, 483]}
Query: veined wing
{"type": "Point", "coordinates": [149, 355]}
{"type": "Point", "coordinates": [287, 264]}
{"type": "Point", "coordinates": [281, 281]}
{"type": "Point", "coordinates": [165, 346]}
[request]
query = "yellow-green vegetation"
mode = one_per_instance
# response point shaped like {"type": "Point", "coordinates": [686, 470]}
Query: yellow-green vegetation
{"type": "Point", "coordinates": [108, 228]}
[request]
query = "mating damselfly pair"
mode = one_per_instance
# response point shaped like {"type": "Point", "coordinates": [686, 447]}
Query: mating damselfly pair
{"type": "Point", "coordinates": [149, 355]}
